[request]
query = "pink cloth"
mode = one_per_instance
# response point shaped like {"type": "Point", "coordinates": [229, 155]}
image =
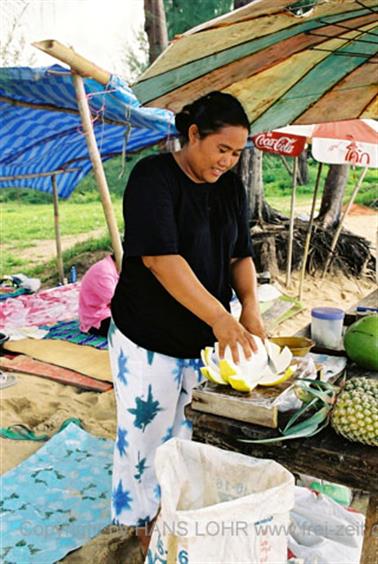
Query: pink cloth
{"type": "Point", "coordinates": [96, 291]}
{"type": "Point", "coordinates": [44, 307]}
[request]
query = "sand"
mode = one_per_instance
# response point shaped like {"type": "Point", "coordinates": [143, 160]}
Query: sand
{"type": "Point", "coordinates": [44, 405]}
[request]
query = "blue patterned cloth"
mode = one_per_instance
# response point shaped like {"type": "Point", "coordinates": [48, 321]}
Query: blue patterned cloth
{"type": "Point", "coordinates": [152, 390]}
{"type": "Point", "coordinates": [56, 500]}
{"type": "Point", "coordinates": [70, 331]}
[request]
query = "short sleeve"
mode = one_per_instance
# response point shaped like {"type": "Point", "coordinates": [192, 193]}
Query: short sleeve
{"type": "Point", "coordinates": [148, 210]}
{"type": "Point", "coordinates": [243, 246]}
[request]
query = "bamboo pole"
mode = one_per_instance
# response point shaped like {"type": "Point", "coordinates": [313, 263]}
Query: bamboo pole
{"type": "Point", "coordinates": [57, 230]}
{"type": "Point", "coordinates": [98, 169]}
{"type": "Point", "coordinates": [340, 226]}
{"type": "Point", "coordinates": [37, 174]}
{"type": "Point", "coordinates": [309, 232]}
{"type": "Point", "coordinates": [291, 224]}
{"type": "Point", "coordinates": [79, 64]}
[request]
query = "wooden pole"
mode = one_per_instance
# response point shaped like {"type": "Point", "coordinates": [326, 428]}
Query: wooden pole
{"type": "Point", "coordinates": [340, 226]}
{"type": "Point", "coordinates": [57, 230]}
{"type": "Point", "coordinates": [98, 169]}
{"type": "Point", "coordinates": [291, 224]}
{"type": "Point", "coordinates": [79, 64]}
{"type": "Point", "coordinates": [309, 232]}
{"type": "Point", "coordinates": [37, 174]}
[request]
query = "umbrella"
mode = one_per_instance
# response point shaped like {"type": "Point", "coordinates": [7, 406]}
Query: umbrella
{"type": "Point", "coordinates": [352, 142]}
{"type": "Point", "coordinates": [286, 68]}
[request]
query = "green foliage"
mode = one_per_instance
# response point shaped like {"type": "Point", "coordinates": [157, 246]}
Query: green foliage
{"type": "Point", "coordinates": [278, 182]}
{"type": "Point", "coordinates": [182, 15]}
{"type": "Point", "coordinates": [117, 172]}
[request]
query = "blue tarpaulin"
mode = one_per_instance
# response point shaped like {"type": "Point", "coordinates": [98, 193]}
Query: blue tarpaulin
{"type": "Point", "coordinates": [41, 131]}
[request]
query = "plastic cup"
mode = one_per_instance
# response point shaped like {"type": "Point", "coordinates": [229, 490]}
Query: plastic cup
{"type": "Point", "coordinates": [327, 326]}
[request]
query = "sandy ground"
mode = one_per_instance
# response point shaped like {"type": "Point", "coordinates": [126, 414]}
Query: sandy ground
{"type": "Point", "coordinates": [44, 405]}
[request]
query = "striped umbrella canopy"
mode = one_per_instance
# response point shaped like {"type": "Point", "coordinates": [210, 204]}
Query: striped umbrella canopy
{"type": "Point", "coordinates": [288, 63]}
{"type": "Point", "coordinates": [41, 130]}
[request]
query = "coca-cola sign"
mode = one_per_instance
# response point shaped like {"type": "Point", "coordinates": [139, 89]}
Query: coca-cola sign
{"type": "Point", "coordinates": [280, 143]}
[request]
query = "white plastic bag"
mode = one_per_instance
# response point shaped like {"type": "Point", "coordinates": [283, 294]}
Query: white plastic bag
{"type": "Point", "coordinates": [219, 506]}
{"type": "Point", "coordinates": [324, 532]}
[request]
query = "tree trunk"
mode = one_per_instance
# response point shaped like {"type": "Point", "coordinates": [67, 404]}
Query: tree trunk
{"type": "Point", "coordinates": [155, 26]}
{"type": "Point", "coordinates": [249, 169]}
{"type": "Point", "coordinates": [332, 200]}
{"type": "Point", "coordinates": [302, 176]}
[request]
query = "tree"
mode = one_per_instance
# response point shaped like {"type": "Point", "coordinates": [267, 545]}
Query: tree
{"type": "Point", "coordinates": [332, 199]}
{"type": "Point", "coordinates": [250, 170]}
{"type": "Point", "coordinates": [156, 27]}
{"type": "Point", "coordinates": [13, 42]}
{"type": "Point", "coordinates": [135, 60]}
{"type": "Point", "coordinates": [181, 16]}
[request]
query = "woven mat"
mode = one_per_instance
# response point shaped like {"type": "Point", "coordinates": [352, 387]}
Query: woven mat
{"type": "Point", "coordinates": [83, 359]}
{"type": "Point", "coordinates": [70, 331]}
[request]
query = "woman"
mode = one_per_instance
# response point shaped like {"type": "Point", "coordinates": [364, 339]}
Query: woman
{"type": "Point", "coordinates": [95, 294]}
{"type": "Point", "coordinates": [186, 245]}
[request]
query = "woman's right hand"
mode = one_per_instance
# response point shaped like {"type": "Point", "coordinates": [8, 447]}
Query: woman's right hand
{"type": "Point", "coordinates": [228, 331]}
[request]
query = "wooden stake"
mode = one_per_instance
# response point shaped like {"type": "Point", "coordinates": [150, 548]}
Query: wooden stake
{"type": "Point", "coordinates": [37, 174]}
{"type": "Point", "coordinates": [340, 226]}
{"type": "Point", "coordinates": [291, 224]}
{"type": "Point", "coordinates": [98, 169]}
{"type": "Point", "coordinates": [77, 63]}
{"type": "Point", "coordinates": [309, 232]}
{"type": "Point", "coordinates": [57, 230]}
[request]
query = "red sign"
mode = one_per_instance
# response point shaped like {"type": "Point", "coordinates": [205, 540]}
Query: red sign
{"type": "Point", "coordinates": [279, 143]}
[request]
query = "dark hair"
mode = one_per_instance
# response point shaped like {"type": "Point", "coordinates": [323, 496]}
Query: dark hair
{"type": "Point", "coordinates": [210, 113]}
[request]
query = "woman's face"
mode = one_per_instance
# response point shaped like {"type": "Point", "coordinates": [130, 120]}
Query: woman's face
{"type": "Point", "coordinates": [215, 154]}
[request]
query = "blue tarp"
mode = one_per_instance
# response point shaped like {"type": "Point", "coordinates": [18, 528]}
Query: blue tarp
{"type": "Point", "coordinates": [41, 131]}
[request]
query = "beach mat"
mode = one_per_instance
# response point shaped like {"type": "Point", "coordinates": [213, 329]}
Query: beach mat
{"type": "Point", "coordinates": [80, 358]}
{"type": "Point", "coordinates": [58, 499]}
{"type": "Point", "coordinates": [28, 365]}
{"type": "Point", "coordinates": [70, 331]}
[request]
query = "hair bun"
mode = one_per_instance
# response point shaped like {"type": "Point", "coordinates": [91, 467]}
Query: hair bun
{"type": "Point", "coordinates": [183, 122]}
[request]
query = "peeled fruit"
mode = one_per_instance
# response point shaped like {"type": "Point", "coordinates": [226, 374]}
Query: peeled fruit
{"type": "Point", "coordinates": [361, 342]}
{"type": "Point", "coordinates": [268, 366]}
{"type": "Point", "coordinates": [271, 379]}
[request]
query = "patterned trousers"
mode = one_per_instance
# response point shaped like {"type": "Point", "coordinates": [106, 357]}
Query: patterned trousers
{"type": "Point", "coordinates": [151, 392]}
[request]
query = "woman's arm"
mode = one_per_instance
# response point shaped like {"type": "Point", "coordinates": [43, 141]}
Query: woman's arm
{"type": "Point", "coordinates": [244, 282]}
{"type": "Point", "coordinates": [176, 276]}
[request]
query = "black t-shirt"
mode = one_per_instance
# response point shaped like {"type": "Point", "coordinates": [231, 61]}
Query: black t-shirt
{"type": "Point", "coordinates": [165, 213]}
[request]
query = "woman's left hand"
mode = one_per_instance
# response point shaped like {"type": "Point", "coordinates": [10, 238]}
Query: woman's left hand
{"type": "Point", "coordinates": [251, 320]}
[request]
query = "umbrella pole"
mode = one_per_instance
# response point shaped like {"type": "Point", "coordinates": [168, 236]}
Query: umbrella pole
{"type": "Point", "coordinates": [57, 230]}
{"type": "Point", "coordinates": [98, 169]}
{"type": "Point", "coordinates": [340, 226]}
{"type": "Point", "coordinates": [309, 232]}
{"type": "Point", "coordinates": [291, 224]}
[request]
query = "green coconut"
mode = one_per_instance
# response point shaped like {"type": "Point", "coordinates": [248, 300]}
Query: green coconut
{"type": "Point", "coordinates": [361, 342]}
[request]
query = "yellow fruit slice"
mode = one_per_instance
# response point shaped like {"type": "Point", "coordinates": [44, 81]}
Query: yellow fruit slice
{"type": "Point", "coordinates": [226, 369]}
{"type": "Point", "coordinates": [278, 378]}
{"type": "Point", "coordinates": [241, 383]}
{"type": "Point", "coordinates": [212, 375]}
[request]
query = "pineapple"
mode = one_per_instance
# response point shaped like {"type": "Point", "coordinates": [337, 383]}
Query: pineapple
{"type": "Point", "coordinates": [352, 410]}
{"type": "Point", "coordinates": [355, 413]}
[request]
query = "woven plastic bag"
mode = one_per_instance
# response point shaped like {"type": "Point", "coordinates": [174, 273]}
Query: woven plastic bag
{"type": "Point", "coordinates": [322, 531]}
{"type": "Point", "coordinates": [219, 506]}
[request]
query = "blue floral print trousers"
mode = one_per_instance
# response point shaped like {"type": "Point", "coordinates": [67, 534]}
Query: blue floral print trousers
{"type": "Point", "coordinates": [151, 392]}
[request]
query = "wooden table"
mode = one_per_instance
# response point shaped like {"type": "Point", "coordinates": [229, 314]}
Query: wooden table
{"type": "Point", "coordinates": [326, 456]}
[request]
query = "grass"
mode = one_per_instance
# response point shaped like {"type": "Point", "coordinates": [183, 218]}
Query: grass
{"type": "Point", "coordinates": [37, 220]}
{"type": "Point", "coordinates": [27, 215]}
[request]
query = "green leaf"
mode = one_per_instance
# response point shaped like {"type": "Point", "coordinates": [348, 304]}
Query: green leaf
{"type": "Point", "coordinates": [300, 412]}
{"type": "Point", "coordinates": [306, 433]}
{"type": "Point", "coordinates": [317, 418]}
